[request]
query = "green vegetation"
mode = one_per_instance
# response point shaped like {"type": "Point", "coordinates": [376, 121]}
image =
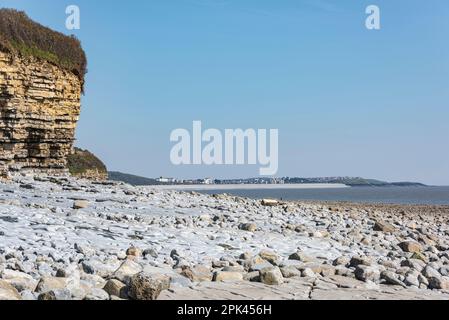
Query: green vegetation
{"type": "Point", "coordinates": [83, 161]}
{"type": "Point", "coordinates": [131, 179]}
{"type": "Point", "coordinates": [19, 34]}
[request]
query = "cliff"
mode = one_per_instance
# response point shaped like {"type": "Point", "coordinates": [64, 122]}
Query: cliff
{"type": "Point", "coordinates": [40, 98]}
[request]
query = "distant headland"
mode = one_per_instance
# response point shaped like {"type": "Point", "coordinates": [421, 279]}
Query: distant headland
{"type": "Point", "coordinates": [345, 181]}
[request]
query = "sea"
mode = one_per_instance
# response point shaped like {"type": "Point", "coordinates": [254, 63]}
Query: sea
{"type": "Point", "coordinates": [376, 195]}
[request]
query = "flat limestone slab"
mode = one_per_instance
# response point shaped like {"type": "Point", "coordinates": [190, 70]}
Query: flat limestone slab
{"type": "Point", "coordinates": [298, 289]}
{"type": "Point", "coordinates": [295, 290]}
{"type": "Point", "coordinates": [384, 293]}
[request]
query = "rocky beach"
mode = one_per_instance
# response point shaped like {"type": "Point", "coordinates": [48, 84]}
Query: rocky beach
{"type": "Point", "coordinates": [68, 239]}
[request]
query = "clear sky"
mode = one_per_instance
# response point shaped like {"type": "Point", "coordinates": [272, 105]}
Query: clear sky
{"type": "Point", "coordinates": [347, 101]}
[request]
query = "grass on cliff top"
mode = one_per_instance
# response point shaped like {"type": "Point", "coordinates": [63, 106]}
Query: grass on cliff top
{"type": "Point", "coordinates": [83, 160]}
{"type": "Point", "coordinates": [20, 34]}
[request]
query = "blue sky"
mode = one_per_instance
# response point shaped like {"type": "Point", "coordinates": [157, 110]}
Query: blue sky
{"type": "Point", "coordinates": [347, 101]}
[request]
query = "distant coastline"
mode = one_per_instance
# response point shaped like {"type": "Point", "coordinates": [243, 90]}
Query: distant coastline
{"type": "Point", "coordinates": [257, 183]}
{"type": "Point", "coordinates": [224, 187]}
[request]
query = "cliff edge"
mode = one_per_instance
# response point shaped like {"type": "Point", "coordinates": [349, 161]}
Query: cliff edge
{"type": "Point", "coordinates": [41, 83]}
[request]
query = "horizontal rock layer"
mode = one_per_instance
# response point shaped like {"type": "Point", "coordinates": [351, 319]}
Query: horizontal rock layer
{"type": "Point", "coordinates": [39, 109]}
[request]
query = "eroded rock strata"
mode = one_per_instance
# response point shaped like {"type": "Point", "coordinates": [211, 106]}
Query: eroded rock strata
{"type": "Point", "coordinates": [39, 110]}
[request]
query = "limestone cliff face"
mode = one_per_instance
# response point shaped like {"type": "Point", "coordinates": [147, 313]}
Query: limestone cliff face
{"type": "Point", "coordinates": [39, 110]}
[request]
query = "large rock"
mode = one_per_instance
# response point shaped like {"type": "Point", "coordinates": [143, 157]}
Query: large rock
{"type": "Point", "coordinates": [80, 204]}
{"type": "Point", "coordinates": [430, 272]}
{"type": "Point", "coordinates": [127, 270]}
{"type": "Point", "coordinates": [391, 278]}
{"type": "Point", "coordinates": [145, 286]}
{"type": "Point", "coordinates": [57, 294]}
{"type": "Point", "coordinates": [290, 272]}
{"type": "Point", "coordinates": [327, 270]}
{"type": "Point", "coordinates": [176, 279]}
{"type": "Point", "coordinates": [100, 268]}
{"type": "Point", "coordinates": [367, 273]}
{"type": "Point", "coordinates": [412, 279]}
{"type": "Point", "coordinates": [416, 264]}
{"type": "Point", "coordinates": [383, 226]}
{"type": "Point", "coordinates": [116, 288]}
{"type": "Point", "coordinates": [19, 280]}
{"type": "Point", "coordinates": [410, 246]}
{"type": "Point", "coordinates": [269, 202]}
{"type": "Point", "coordinates": [86, 250]}
{"type": "Point", "coordinates": [97, 294]}
{"type": "Point", "coordinates": [47, 284]}
{"type": "Point", "coordinates": [8, 292]}
{"type": "Point", "coordinates": [269, 256]}
{"type": "Point", "coordinates": [308, 273]}
{"type": "Point", "coordinates": [342, 261]}
{"type": "Point", "coordinates": [197, 273]}
{"type": "Point", "coordinates": [301, 256]}
{"type": "Point", "coordinates": [250, 227]}
{"type": "Point", "coordinates": [271, 276]}
{"type": "Point", "coordinates": [358, 260]}
{"type": "Point", "coordinates": [133, 252]}
{"type": "Point", "coordinates": [440, 283]}
{"type": "Point", "coordinates": [225, 276]}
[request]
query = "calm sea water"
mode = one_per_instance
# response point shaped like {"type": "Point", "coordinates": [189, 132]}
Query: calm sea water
{"type": "Point", "coordinates": [390, 195]}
